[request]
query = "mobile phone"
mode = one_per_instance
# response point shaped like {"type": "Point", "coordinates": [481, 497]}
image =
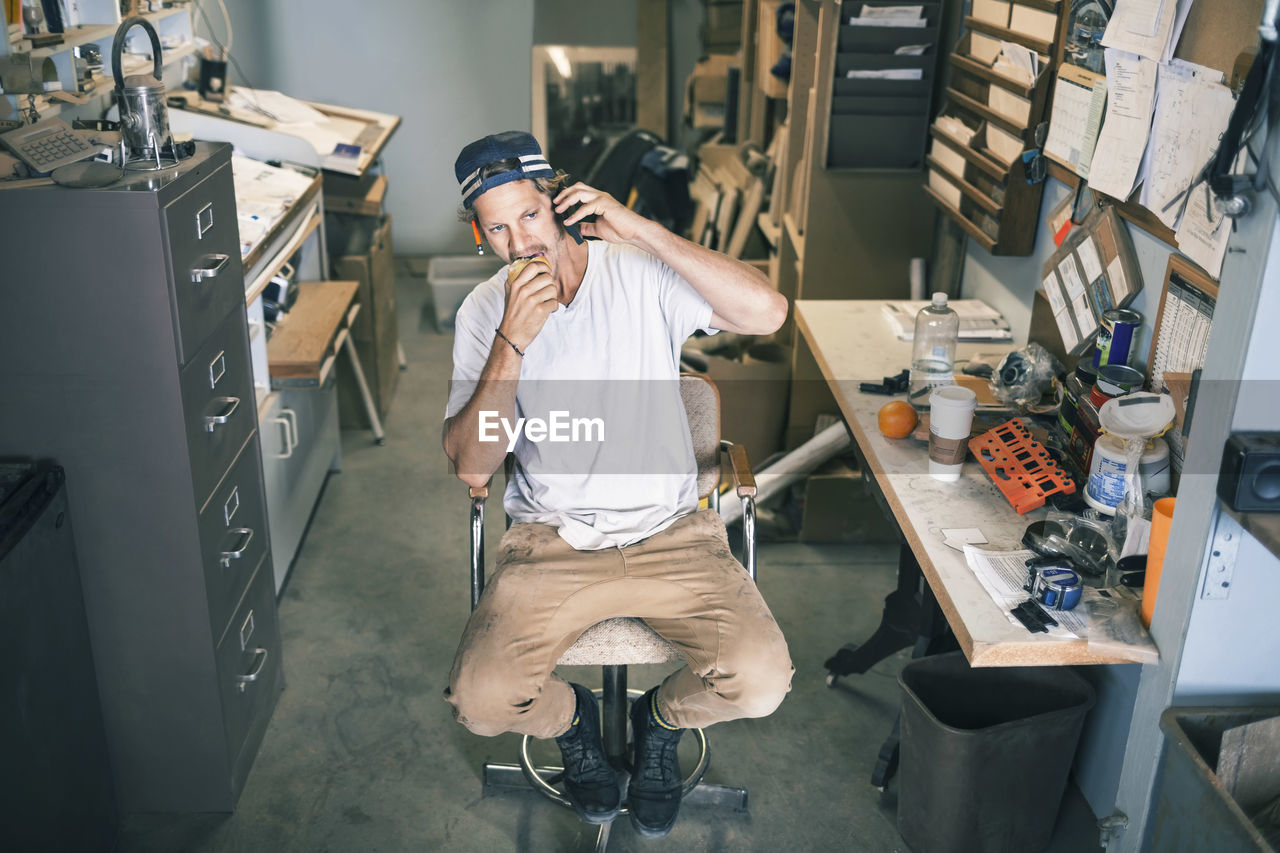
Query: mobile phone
{"type": "Point", "coordinates": [571, 230]}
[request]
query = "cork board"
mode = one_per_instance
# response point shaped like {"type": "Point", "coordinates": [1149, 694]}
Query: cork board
{"type": "Point", "coordinates": [1218, 32]}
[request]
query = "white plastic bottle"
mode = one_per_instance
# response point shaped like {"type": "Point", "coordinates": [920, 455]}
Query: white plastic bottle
{"type": "Point", "coordinates": [933, 350]}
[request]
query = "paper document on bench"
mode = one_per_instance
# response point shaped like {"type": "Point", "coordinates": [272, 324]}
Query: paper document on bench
{"type": "Point", "coordinates": [1131, 89]}
{"type": "Point", "coordinates": [1002, 574]}
{"type": "Point", "coordinates": [978, 320]}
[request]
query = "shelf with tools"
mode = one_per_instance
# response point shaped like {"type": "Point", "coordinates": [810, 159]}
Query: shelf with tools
{"type": "Point", "coordinates": [1001, 72]}
{"type": "Point", "coordinates": [79, 68]}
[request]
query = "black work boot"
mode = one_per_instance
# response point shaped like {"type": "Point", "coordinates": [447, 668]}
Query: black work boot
{"type": "Point", "coordinates": [653, 798]}
{"type": "Point", "coordinates": [589, 780]}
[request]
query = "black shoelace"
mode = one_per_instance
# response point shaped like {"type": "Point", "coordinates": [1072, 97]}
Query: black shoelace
{"type": "Point", "coordinates": [580, 761]}
{"type": "Point", "coordinates": [658, 759]}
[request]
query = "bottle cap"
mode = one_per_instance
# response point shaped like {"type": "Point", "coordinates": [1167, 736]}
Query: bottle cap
{"type": "Point", "coordinates": [939, 299]}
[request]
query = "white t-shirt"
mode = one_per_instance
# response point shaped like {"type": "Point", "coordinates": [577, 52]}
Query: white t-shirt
{"type": "Point", "coordinates": [613, 463]}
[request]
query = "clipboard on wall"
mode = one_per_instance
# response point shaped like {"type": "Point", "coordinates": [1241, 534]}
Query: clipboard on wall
{"type": "Point", "coordinates": [1075, 120]}
{"type": "Point", "coordinates": [1180, 336]}
{"type": "Point", "coordinates": [1179, 341]}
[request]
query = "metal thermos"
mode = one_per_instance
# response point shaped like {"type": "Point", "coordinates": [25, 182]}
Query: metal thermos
{"type": "Point", "coordinates": [144, 117]}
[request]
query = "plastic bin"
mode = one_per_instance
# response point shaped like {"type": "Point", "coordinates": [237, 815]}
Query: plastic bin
{"type": "Point", "coordinates": [452, 277]}
{"type": "Point", "coordinates": [985, 753]}
{"type": "Point", "coordinates": [1192, 809]}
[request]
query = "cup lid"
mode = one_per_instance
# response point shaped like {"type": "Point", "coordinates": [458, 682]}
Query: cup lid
{"type": "Point", "coordinates": [1138, 415]}
{"type": "Point", "coordinates": [957, 396]}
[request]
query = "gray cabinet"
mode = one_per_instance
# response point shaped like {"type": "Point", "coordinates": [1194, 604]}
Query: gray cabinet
{"type": "Point", "coordinates": [124, 354]}
{"type": "Point", "coordinates": [300, 446]}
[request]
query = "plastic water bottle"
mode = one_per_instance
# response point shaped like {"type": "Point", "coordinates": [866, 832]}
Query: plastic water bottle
{"type": "Point", "coordinates": [933, 350]}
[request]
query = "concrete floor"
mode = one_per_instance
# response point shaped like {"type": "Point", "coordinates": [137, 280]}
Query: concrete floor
{"type": "Point", "coordinates": [362, 753]}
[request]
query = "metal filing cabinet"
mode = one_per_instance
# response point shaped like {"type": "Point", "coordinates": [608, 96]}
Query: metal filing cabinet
{"type": "Point", "coordinates": [124, 354]}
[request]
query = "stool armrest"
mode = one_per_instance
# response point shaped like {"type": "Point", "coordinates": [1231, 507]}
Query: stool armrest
{"type": "Point", "coordinates": [744, 482]}
{"type": "Point", "coordinates": [478, 496]}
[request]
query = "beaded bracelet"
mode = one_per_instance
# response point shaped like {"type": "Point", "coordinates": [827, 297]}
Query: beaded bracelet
{"type": "Point", "coordinates": [508, 340]}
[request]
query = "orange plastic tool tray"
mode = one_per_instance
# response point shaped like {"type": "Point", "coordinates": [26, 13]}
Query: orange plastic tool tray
{"type": "Point", "coordinates": [1019, 465]}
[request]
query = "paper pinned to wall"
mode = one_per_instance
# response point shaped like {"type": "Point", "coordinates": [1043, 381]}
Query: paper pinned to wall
{"type": "Point", "coordinates": [1131, 88]}
{"type": "Point", "coordinates": [1053, 292]}
{"type": "Point", "coordinates": [1085, 320]}
{"type": "Point", "coordinates": [1071, 277]}
{"type": "Point", "coordinates": [1115, 277]}
{"type": "Point", "coordinates": [1148, 28]}
{"type": "Point", "coordinates": [1191, 113]}
{"type": "Point", "coordinates": [1203, 233]}
{"type": "Point", "coordinates": [1089, 259]}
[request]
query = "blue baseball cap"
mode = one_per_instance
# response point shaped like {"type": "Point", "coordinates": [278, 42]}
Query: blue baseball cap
{"type": "Point", "coordinates": [508, 145]}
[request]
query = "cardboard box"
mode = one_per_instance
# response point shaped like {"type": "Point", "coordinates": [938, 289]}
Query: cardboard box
{"type": "Point", "coordinates": [361, 250]}
{"type": "Point", "coordinates": [380, 362]}
{"type": "Point", "coordinates": [706, 90]}
{"type": "Point", "coordinates": [362, 196]}
{"type": "Point", "coordinates": [722, 32]}
{"type": "Point", "coordinates": [753, 398]}
{"type": "Point", "coordinates": [838, 507]}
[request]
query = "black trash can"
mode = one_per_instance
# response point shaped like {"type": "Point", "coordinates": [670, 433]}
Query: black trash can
{"type": "Point", "coordinates": [985, 753]}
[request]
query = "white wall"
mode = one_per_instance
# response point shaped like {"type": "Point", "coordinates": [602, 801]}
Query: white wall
{"type": "Point", "coordinates": [453, 71]}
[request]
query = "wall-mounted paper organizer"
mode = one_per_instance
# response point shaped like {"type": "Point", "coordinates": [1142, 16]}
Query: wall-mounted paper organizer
{"type": "Point", "coordinates": [977, 174]}
{"type": "Point", "coordinates": [886, 64]}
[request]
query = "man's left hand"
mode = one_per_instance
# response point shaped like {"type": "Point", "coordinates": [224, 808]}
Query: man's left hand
{"type": "Point", "coordinates": [614, 223]}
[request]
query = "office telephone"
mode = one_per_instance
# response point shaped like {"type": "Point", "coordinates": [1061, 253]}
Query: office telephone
{"type": "Point", "coordinates": [47, 144]}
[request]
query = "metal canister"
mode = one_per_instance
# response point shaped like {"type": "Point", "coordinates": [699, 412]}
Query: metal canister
{"type": "Point", "coordinates": [1115, 380]}
{"type": "Point", "coordinates": [1117, 337]}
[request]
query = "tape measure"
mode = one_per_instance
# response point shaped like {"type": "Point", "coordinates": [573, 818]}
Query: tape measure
{"type": "Point", "coordinates": [1056, 588]}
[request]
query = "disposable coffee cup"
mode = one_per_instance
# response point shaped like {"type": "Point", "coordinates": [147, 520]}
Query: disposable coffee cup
{"type": "Point", "coordinates": [950, 421]}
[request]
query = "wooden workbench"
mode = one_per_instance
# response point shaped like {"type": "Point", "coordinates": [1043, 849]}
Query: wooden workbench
{"type": "Point", "coordinates": [853, 343]}
{"type": "Point", "coordinates": [305, 343]}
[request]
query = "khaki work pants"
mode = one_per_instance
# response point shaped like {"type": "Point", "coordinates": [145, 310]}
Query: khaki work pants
{"type": "Point", "coordinates": [682, 581]}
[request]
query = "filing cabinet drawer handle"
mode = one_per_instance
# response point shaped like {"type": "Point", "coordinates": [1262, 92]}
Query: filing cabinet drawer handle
{"type": "Point", "coordinates": [243, 537]}
{"type": "Point", "coordinates": [288, 445]}
{"type": "Point", "coordinates": [226, 408]}
{"type": "Point", "coordinates": [208, 267]}
{"type": "Point", "coordinates": [260, 656]}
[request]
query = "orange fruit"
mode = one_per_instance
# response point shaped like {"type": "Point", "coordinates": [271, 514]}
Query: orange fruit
{"type": "Point", "coordinates": [897, 419]}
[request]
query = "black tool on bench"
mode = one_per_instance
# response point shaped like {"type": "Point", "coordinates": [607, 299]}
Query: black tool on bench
{"type": "Point", "coordinates": [889, 385]}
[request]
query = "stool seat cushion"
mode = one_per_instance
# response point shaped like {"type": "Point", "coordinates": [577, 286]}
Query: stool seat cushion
{"type": "Point", "coordinates": [619, 641]}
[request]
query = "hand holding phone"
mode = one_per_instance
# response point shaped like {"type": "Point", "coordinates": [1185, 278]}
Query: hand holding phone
{"type": "Point", "coordinates": [608, 219]}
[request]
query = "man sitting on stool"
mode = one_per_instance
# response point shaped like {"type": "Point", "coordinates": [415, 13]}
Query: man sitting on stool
{"type": "Point", "coordinates": [605, 519]}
